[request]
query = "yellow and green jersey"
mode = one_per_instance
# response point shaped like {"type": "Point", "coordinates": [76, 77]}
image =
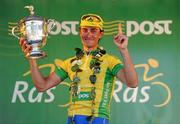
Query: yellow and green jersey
{"type": "Point", "coordinates": [104, 86]}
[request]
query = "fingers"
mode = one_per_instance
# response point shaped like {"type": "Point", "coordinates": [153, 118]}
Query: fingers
{"type": "Point", "coordinates": [116, 37]}
{"type": "Point", "coordinates": [120, 38]}
{"type": "Point", "coordinates": [27, 49]}
{"type": "Point", "coordinates": [24, 46]}
{"type": "Point", "coordinates": [120, 32]}
{"type": "Point", "coordinates": [115, 41]}
{"type": "Point", "coordinates": [121, 41]}
{"type": "Point", "coordinates": [123, 38]}
{"type": "Point", "coordinates": [21, 41]}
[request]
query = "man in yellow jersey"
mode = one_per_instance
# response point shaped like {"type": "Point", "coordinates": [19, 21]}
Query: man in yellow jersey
{"type": "Point", "coordinates": [92, 71]}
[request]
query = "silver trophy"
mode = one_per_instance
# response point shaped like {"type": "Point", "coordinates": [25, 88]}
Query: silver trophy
{"type": "Point", "coordinates": [34, 30]}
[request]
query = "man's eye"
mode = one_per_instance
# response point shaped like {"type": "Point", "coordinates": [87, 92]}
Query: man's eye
{"type": "Point", "coordinates": [94, 30]}
{"type": "Point", "coordinates": [84, 30]}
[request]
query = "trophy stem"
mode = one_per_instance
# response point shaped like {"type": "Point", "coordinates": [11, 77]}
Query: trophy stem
{"type": "Point", "coordinates": [36, 53]}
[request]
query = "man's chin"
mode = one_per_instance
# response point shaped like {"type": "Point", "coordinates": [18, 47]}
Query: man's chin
{"type": "Point", "coordinates": [89, 44]}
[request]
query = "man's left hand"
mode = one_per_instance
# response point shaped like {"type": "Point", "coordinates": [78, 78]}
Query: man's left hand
{"type": "Point", "coordinates": [120, 39]}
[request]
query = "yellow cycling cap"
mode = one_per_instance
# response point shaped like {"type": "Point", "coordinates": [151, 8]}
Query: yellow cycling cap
{"type": "Point", "coordinates": [91, 20]}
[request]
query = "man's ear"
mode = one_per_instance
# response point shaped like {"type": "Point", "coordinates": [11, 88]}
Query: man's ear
{"type": "Point", "coordinates": [101, 33]}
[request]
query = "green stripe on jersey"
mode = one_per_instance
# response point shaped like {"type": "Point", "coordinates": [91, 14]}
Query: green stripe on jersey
{"type": "Point", "coordinates": [104, 108]}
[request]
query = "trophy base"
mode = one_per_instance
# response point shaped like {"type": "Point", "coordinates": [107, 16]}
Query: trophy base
{"type": "Point", "coordinates": [36, 55]}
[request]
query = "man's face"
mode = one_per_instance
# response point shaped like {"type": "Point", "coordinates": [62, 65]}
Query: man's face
{"type": "Point", "coordinates": [90, 36]}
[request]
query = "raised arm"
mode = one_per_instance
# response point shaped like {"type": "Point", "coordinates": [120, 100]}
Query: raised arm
{"type": "Point", "coordinates": [128, 73]}
{"type": "Point", "coordinates": [41, 83]}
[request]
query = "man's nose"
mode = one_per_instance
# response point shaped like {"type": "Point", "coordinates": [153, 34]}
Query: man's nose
{"type": "Point", "coordinates": [88, 31]}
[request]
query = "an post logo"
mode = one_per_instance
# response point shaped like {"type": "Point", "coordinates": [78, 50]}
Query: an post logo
{"type": "Point", "coordinates": [130, 28]}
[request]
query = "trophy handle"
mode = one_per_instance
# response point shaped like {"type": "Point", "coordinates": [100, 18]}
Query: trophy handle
{"type": "Point", "coordinates": [13, 30]}
{"type": "Point", "coordinates": [53, 23]}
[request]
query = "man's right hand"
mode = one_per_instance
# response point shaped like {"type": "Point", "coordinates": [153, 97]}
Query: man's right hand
{"type": "Point", "coordinates": [41, 83]}
{"type": "Point", "coordinates": [24, 46]}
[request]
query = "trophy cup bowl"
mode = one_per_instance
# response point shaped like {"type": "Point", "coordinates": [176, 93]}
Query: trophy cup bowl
{"type": "Point", "coordinates": [34, 30]}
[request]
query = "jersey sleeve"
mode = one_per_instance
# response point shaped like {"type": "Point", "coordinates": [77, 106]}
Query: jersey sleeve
{"type": "Point", "coordinates": [61, 69]}
{"type": "Point", "coordinates": [115, 65]}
